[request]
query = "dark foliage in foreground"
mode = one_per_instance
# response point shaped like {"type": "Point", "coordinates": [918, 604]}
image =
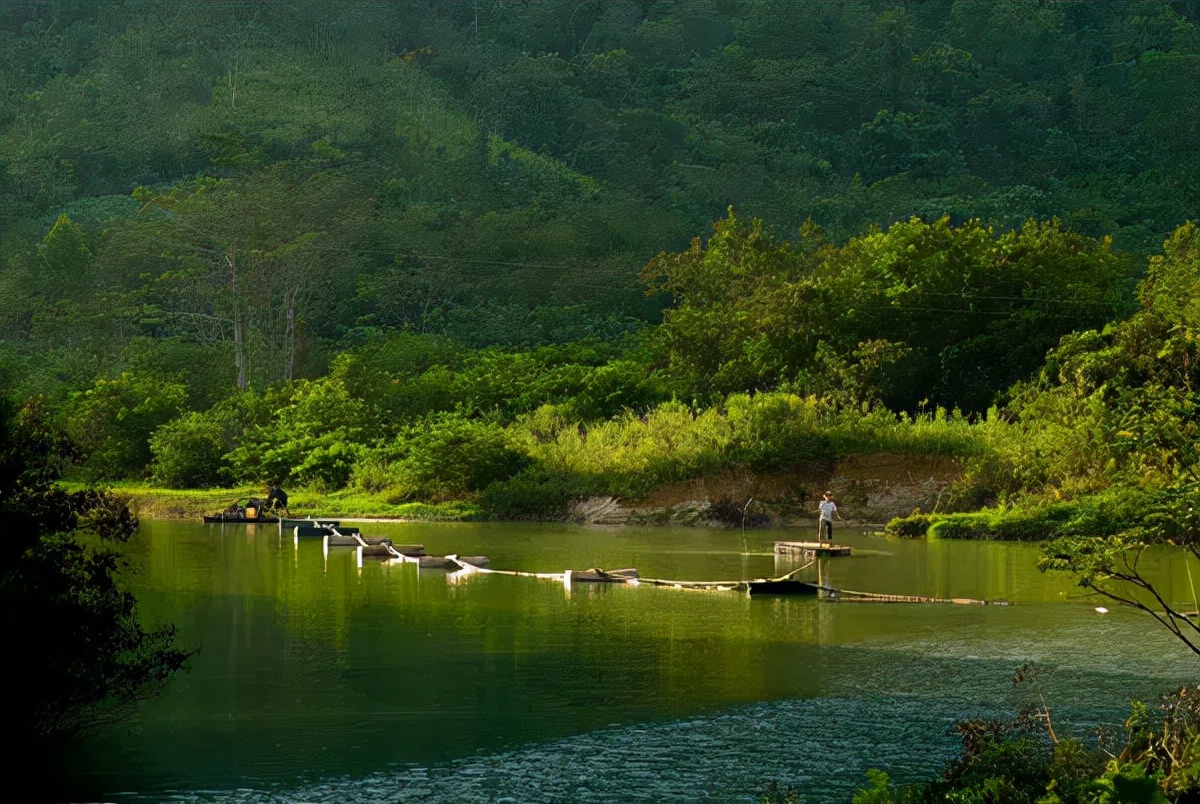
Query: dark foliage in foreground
{"type": "Point", "coordinates": [72, 634]}
{"type": "Point", "coordinates": [1024, 761]}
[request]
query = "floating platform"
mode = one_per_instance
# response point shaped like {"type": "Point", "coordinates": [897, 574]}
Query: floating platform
{"type": "Point", "coordinates": [818, 549]}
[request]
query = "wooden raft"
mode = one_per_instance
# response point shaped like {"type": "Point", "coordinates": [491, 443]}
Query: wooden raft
{"type": "Point", "coordinates": [819, 549]}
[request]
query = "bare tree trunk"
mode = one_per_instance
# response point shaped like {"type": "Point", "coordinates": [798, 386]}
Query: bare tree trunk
{"type": "Point", "coordinates": [290, 336]}
{"type": "Point", "coordinates": [239, 327]}
{"type": "Point", "coordinates": [239, 351]}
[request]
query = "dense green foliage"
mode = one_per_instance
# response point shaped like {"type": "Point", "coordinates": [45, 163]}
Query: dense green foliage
{"type": "Point", "coordinates": [230, 194]}
{"type": "Point", "coordinates": [921, 311]}
{"type": "Point", "coordinates": [437, 254]}
{"type": "Point", "coordinates": [249, 242]}
{"type": "Point", "coordinates": [1025, 762]}
{"type": "Point", "coordinates": [72, 632]}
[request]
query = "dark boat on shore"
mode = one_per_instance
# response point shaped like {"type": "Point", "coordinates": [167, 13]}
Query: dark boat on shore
{"type": "Point", "coordinates": [245, 512]}
{"type": "Point", "coordinates": [227, 517]}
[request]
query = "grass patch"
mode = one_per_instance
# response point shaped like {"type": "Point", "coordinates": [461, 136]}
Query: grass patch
{"type": "Point", "coordinates": [152, 502]}
{"type": "Point", "coordinates": [1038, 519]}
{"type": "Point", "coordinates": [879, 430]}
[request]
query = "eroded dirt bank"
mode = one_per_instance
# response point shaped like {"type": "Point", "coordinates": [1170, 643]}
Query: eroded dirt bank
{"type": "Point", "coordinates": [869, 489]}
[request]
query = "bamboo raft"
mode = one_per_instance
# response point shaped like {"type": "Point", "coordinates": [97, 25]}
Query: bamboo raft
{"type": "Point", "coordinates": [812, 549]}
{"type": "Point", "coordinates": [787, 584]}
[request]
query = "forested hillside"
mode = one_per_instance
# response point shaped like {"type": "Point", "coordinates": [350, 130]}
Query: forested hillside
{"type": "Point", "coordinates": [276, 238]}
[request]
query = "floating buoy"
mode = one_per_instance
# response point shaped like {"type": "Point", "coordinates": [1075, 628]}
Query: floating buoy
{"type": "Point", "coordinates": [1101, 610]}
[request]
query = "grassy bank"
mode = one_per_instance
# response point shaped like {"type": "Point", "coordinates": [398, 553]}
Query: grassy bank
{"type": "Point", "coordinates": [152, 502]}
{"type": "Point", "coordinates": [1035, 518]}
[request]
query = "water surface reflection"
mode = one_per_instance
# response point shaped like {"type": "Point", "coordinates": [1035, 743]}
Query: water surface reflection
{"type": "Point", "coordinates": [322, 680]}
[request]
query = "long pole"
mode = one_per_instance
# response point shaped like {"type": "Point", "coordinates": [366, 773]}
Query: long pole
{"type": "Point", "coordinates": [745, 509]}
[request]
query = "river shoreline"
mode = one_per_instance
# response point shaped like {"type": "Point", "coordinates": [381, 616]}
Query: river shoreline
{"type": "Point", "coordinates": [869, 489]}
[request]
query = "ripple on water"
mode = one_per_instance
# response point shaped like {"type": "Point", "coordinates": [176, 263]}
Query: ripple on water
{"type": "Point", "coordinates": [822, 747]}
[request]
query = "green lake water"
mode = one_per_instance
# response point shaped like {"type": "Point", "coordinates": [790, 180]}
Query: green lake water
{"type": "Point", "coordinates": [319, 680]}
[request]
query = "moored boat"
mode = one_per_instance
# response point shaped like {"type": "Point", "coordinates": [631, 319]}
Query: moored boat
{"type": "Point", "coordinates": [474, 561]}
{"type": "Point", "coordinates": [247, 511]}
{"type": "Point", "coordinates": [436, 562]}
{"type": "Point", "coordinates": [343, 539]}
{"type": "Point", "coordinates": [784, 586]}
{"type": "Point", "coordinates": [597, 575]}
{"type": "Point", "coordinates": [227, 517]}
{"type": "Point", "coordinates": [309, 522]}
{"type": "Point", "coordinates": [311, 531]}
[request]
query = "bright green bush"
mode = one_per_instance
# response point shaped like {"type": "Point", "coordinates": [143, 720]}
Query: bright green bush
{"type": "Point", "coordinates": [188, 452]}
{"type": "Point", "coordinates": [876, 429]}
{"type": "Point", "coordinates": [449, 455]}
{"type": "Point", "coordinates": [777, 432]}
{"type": "Point", "coordinates": [914, 526]}
{"type": "Point", "coordinates": [1035, 520]}
{"type": "Point", "coordinates": [112, 423]}
{"type": "Point", "coordinates": [631, 455]}
{"type": "Point", "coordinates": [315, 435]}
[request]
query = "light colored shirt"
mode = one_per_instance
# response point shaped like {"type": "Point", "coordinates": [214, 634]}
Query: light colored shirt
{"type": "Point", "coordinates": [827, 509]}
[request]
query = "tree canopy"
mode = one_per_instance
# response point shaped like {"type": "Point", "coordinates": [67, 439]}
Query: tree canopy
{"type": "Point", "coordinates": [265, 184]}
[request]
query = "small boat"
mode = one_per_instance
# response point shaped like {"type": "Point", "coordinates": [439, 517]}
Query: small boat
{"type": "Point", "coordinates": [474, 561]}
{"type": "Point", "coordinates": [597, 575]}
{"type": "Point", "coordinates": [248, 511]}
{"type": "Point", "coordinates": [287, 523]}
{"type": "Point", "coordinates": [436, 562]}
{"type": "Point", "coordinates": [241, 519]}
{"type": "Point", "coordinates": [310, 531]}
{"type": "Point", "coordinates": [786, 586]}
{"type": "Point", "coordinates": [343, 539]}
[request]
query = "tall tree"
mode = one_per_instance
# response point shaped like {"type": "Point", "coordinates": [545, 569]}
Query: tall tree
{"type": "Point", "coordinates": [251, 250]}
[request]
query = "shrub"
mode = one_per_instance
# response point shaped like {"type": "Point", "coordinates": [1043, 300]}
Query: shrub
{"type": "Point", "coordinates": [451, 455]}
{"type": "Point", "coordinates": [316, 434]}
{"type": "Point", "coordinates": [1093, 515]}
{"type": "Point", "coordinates": [113, 421]}
{"type": "Point", "coordinates": [533, 494]}
{"type": "Point", "coordinates": [913, 526]}
{"type": "Point", "coordinates": [188, 452]}
{"type": "Point", "coordinates": [777, 432]}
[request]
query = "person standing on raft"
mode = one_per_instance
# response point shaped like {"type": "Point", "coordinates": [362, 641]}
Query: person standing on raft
{"type": "Point", "coordinates": [828, 512]}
